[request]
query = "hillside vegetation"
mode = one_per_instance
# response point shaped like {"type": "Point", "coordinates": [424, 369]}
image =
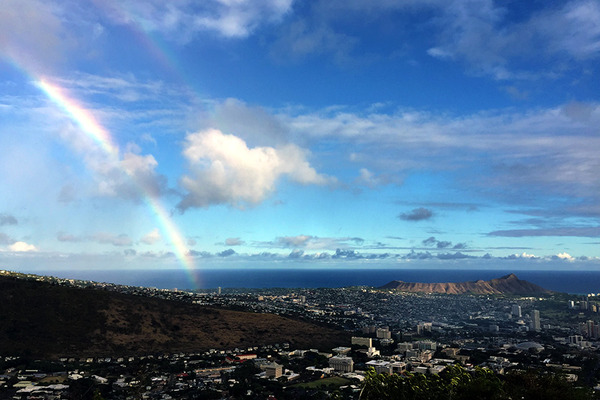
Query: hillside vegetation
{"type": "Point", "coordinates": [41, 319]}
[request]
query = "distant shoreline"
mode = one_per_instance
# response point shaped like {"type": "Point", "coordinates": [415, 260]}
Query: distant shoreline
{"type": "Point", "coordinates": [574, 282]}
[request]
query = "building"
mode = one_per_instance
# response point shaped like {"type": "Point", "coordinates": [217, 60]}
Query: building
{"type": "Point", "coordinates": [384, 333]}
{"type": "Point", "coordinates": [387, 367]}
{"type": "Point", "coordinates": [341, 351]}
{"type": "Point", "coordinates": [423, 327]}
{"type": "Point", "coordinates": [516, 311]}
{"type": "Point", "coordinates": [273, 370]}
{"type": "Point", "coordinates": [535, 321]}
{"type": "Point", "coordinates": [341, 364]}
{"type": "Point", "coordinates": [426, 345]}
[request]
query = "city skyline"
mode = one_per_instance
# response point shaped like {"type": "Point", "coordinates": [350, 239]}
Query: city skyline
{"type": "Point", "coordinates": [278, 133]}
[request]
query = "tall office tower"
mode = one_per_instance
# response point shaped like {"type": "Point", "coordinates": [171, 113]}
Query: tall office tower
{"type": "Point", "coordinates": [516, 311]}
{"type": "Point", "coordinates": [535, 321]}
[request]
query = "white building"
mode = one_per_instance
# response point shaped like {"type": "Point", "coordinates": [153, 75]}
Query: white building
{"type": "Point", "coordinates": [341, 364]}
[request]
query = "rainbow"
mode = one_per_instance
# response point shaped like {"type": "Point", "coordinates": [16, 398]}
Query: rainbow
{"type": "Point", "coordinates": [92, 128]}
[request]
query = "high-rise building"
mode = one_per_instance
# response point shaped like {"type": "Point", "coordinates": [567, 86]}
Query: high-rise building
{"type": "Point", "coordinates": [516, 311]}
{"type": "Point", "coordinates": [535, 321]}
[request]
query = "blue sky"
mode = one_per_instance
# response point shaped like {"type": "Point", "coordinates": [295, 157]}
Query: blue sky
{"type": "Point", "coordinates": [183, 134]}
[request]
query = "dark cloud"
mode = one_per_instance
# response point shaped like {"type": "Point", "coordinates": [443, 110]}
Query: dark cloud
{"type": "Point", "coordinates": [339, 253]}
{"type": "Point", "coordinates": [357, 240]}
{"type": "Point", "coordinates": [201, 254]}
{"type": "Point", "coordinates": [6, 219]}
{"type": "Point", "coordinates": [430, 241]}
{"type": "Point", "coordinates": [129, 252]}
{"type": "Point", "coordinates": [460, 246]}
{"type": "Point", "coordinates": [296, 254]}
{"type": "Point", "coordinates": [265, 254]}
{"type": "Point", "coordinates": [413, 255]}
{"type": "Point", "coordinates": [591, 231]}
{"type": "Point", "coordinates": [442, 244]}
{"type": "Point", "coordinates": [378, 256]}
{"type": "Point", "coordinates": [417, 214]}
{"type": "Point", "coordinates": [226, 253]}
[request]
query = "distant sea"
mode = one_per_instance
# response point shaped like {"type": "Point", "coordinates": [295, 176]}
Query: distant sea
{"type": "Point", "coordinates": [579, 282]}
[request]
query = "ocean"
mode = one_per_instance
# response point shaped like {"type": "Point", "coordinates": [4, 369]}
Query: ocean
{"type": "Point", "coordinates": [576, 282]}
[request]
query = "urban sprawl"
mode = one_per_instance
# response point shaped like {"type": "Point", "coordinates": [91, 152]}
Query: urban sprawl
{"type": "Point", "coordinates": [391, 332]}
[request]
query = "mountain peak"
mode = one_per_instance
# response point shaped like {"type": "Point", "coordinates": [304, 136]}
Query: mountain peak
{"type": "Point", "coordinates": [508, 284]}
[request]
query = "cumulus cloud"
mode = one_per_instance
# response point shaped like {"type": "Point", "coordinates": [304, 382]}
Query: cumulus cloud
{"type": "Point", "coordinates": [130, 176]}
{"type": "Point", "coordinates": [6, 219]}
{"type": "Point", "coordinates": [442, 244]}
{"type": "Point", "coordinates": [563, 256]}
{"type": "Point", "coordinates": [413, 255]}
{"type": "Point", "coordinates": [417, 214]}
{"type": "Point", "coordinates": [226, 253]}
{"type": "Point", "coordinates": [22, 247]}
{"type": "Point", "coordinates": [430, 241]}
{"type": "Point", "coordinates": [346, 254]}
{"type": "Point", "coordinates": [522, 256]}
{"type": "Point", "coordinates": [296, 253]}
{"type": "Point", "coordinates": [226, 171]}
{"type": "Point", "coordinates": [201, 254]}
{"type": "Point", "coordinates": [151, 237]}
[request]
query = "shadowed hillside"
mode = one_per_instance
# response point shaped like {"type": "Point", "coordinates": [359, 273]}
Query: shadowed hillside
{"type": "Point", "coordinates": [41, 319]}
{"type": "Point", "coordinates": [508, 284]}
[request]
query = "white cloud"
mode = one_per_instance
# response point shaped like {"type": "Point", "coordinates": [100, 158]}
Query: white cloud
{"type": "Point", "coordinates": [564, 256]}
{"type": "Point", "coordinates": [550, 149]}
{"type": "Point", "coordinates": [22, 247]}
{"type": "Point", "coordinates": [526, 255]}
{"type": "Point", "coordinates": [184, 19]}
{"type": "Point", "coordinates": [480, 34]}
{"type": "Point", "coordinates": [226, 171]}
{"type": "Point", "coordinates": [151, 237]}
{"type": "Point", "coordinates": [30, 33]}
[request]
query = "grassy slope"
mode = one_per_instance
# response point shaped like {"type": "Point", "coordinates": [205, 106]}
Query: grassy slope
{"type": "Point", "coordinates": [44, 320]}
